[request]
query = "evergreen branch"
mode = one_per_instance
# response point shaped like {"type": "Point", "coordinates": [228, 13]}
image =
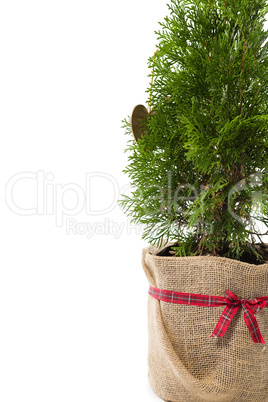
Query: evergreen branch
{"type": "Point", "coordinates": [259, 234]}
{"type": "Point", "coordinates": [207, 52]}
{"type": "Point", "coordinates": [249, 111]}
{"type": "Point", "coordinates": [209, 131]}
{"type": "Point", "coordinates": [241, 81]}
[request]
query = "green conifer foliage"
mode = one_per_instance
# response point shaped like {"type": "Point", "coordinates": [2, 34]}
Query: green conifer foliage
{"type": "Point", "coordinates": [200, 174]}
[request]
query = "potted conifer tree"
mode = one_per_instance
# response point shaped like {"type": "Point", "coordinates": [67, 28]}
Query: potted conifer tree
{"type": "Point", "coordinates": [199, 171]}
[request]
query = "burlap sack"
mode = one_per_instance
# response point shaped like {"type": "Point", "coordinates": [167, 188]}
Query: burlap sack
{"type": "Point", "coordinates": [185, 363]}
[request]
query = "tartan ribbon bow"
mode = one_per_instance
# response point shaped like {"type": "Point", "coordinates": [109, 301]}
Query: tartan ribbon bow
{"type": "Point", "coordinates": [250, 307]}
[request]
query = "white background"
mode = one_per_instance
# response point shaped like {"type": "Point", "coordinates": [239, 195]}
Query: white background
{"type": "Point", "coordinates": [73, 309]}
{"type": "Point", "coordinates": [73, 305]}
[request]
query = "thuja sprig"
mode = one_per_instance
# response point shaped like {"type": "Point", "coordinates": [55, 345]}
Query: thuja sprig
{"type": "Point", "coordinates": [199, 175]}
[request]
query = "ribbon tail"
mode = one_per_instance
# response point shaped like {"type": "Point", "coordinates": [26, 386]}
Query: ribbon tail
{"type": "Point", "coordinates": [253, 326]}
{"type": "Point", "coordinates": [224, 321]}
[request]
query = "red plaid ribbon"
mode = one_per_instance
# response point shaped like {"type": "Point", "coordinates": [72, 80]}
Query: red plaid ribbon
{"type": "Point", "coordinates": [232, 302]}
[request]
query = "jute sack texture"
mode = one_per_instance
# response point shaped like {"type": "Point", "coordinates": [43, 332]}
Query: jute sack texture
{"type": "Point", "coordinates": [185, 363]}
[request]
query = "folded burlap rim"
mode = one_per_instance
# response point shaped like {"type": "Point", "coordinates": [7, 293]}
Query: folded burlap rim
{"type": "Point", "coordinates": [153, 250]}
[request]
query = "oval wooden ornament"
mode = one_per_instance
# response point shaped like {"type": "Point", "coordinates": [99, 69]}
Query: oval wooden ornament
{"type": "Point", "coordinates": [138, 115]}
